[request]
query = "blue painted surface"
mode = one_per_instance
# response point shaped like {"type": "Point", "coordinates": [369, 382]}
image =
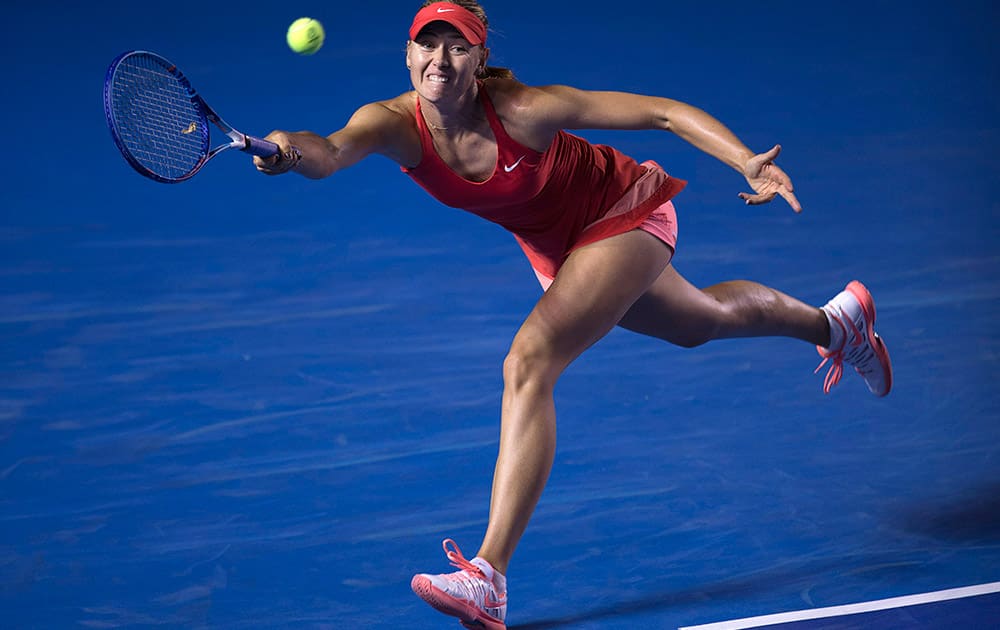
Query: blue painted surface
{"type": "Point", "coordinates": [250, 402]}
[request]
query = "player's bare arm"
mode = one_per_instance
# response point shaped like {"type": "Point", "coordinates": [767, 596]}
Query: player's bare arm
{"type": "Point", "coordinates": [571, 108]}
{"type": "Point", "coordinates": [374, 128]}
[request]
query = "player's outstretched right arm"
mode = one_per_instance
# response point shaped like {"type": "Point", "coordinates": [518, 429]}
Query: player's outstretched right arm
{"type": "Point", "coordinates": [374, 128]}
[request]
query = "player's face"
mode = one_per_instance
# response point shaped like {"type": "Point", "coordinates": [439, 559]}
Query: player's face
{"type": "Point", "coordinates": [442, 63]}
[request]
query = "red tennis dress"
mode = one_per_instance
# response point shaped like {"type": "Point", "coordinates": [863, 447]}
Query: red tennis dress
{"type": "Point", "coordinates": [571, 195]}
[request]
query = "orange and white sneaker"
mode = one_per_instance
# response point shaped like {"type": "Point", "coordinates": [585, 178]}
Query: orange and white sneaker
{"type": "Point", "coordinates": [476, 593]}
{"type": "Point", "coordinates": [853, 339]}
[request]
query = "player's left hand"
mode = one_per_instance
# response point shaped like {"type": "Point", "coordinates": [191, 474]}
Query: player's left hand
{"type": "Point", "coordinates": [768, 180]}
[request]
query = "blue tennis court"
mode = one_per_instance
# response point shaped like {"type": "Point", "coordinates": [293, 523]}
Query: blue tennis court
{"type": "Point", "coordinates": [253, 402]}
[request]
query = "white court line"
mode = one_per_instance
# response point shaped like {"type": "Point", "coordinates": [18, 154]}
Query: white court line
{"type": "Point", "coordinates": [851, 609]}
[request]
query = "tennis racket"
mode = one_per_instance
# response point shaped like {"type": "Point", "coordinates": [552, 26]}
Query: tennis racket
{"type": "Point", "coordinates": [159, 122]}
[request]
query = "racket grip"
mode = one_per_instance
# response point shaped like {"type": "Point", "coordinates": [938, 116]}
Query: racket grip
{"type": "Point", "coordinates": [260, 147]}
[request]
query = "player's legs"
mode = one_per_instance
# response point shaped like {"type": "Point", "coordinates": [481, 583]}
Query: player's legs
{"type": "Point", "coordinates": [626, 280]}
{"type": "Point", "coordinates": [675, 310]}
{"type": "Point", "coordinates": [595, 287]}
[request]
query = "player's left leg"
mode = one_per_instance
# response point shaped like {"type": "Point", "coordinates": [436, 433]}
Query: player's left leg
{"type": "Point", "coordinates": [675, 310]}
{"type": "Point", "coordinates": [842, 330]}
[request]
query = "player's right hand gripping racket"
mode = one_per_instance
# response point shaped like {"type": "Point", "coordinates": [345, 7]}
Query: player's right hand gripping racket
{"type": "Point", "coordinates": [159, 122]}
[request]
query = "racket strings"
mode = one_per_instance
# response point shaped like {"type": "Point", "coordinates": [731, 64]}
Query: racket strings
{"type": "Point", "coordinates": [156, 119]}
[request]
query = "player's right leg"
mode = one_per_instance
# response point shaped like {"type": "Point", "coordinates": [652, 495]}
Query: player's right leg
{"type": "Point", "coordinates": [594, 288]}
{"type": "Point", "coordinates": [476, 594]}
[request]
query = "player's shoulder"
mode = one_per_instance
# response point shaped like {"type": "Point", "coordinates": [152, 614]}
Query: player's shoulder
{"type": "Point", "coordinates": [509, 91]}
{"type": "Point", "coordinates": [399, 110]}
{"type": "Point", "coordinates": [389, 127]}
{"type": "Point", "coordinates": [515, 98]}
{"type": "Point", "coordinates": [517, 102]}
{"type": "Point", "coordinates": [534, 112]}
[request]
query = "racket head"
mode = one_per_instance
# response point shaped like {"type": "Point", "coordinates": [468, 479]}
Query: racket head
{"type": "Point", "coordinates": [157, 120]}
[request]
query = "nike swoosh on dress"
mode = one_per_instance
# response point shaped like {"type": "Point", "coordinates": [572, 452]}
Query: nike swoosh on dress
{"type": "Point", "coordinates": [514, 165]}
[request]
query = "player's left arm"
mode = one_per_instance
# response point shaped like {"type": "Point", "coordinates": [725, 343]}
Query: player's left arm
{"type": "Point", "coordinates": [571, 108]}
{"type": "Point", "coordinates": [564, 107]}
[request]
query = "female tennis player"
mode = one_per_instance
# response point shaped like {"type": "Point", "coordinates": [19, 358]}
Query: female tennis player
{"type": "Point", "coordinates": [599, 230]}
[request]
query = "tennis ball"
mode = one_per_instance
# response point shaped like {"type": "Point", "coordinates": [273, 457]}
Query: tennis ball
{"type": "Point", "coordinates": [305, 36]}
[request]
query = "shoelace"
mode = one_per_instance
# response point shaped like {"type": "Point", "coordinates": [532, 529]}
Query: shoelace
{"type": "Point", "coordinates": [476, 580]}
{"type": "Point", "coordinates": [837, 367]}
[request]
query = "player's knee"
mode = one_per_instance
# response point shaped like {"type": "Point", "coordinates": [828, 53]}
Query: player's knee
{"type": "Point", "coordinates": [710, 325]}
{"type": "Point", "coordinates": [696, 336]}
{"type": "Point", "coordinates": [529, 364]}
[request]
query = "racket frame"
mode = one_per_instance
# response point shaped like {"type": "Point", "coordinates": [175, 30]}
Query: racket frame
{"type": "Point", "coordinates": [238, 140]}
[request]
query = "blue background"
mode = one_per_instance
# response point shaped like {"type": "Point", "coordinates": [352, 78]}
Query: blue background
{"type": "Point", "coordinates": [249, 402]}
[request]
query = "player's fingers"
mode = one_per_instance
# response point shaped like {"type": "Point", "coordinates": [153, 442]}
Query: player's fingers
{"type": "Point", "coordinates": [755, 200]}
{"type": "Point", "coordinates": [266, 164]}
{"type": "Point", "coordinates": [792, 200]}
{"type": "Point", "coordinates": [281, 162]}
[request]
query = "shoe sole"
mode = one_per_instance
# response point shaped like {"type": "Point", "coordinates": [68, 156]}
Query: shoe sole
{"type": "Point", "coordinates": [864, 297]}
{"type": "Point", "coordinates": [468, 614]}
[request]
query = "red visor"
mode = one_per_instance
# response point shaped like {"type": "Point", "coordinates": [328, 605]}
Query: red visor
{"type": "Point", "coordinates": [465, 21]}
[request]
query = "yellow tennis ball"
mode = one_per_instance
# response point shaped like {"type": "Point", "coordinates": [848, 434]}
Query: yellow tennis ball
{"type": "Point", "coordinates": [305, 36]}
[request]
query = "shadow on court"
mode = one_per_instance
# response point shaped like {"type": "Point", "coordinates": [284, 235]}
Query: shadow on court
{"type": "Point", "coordinates": [969, 516]}
{"type": "Point", "coordinates": [972, 515]}
{"type": "Point", "coordinates": [751, 585]}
